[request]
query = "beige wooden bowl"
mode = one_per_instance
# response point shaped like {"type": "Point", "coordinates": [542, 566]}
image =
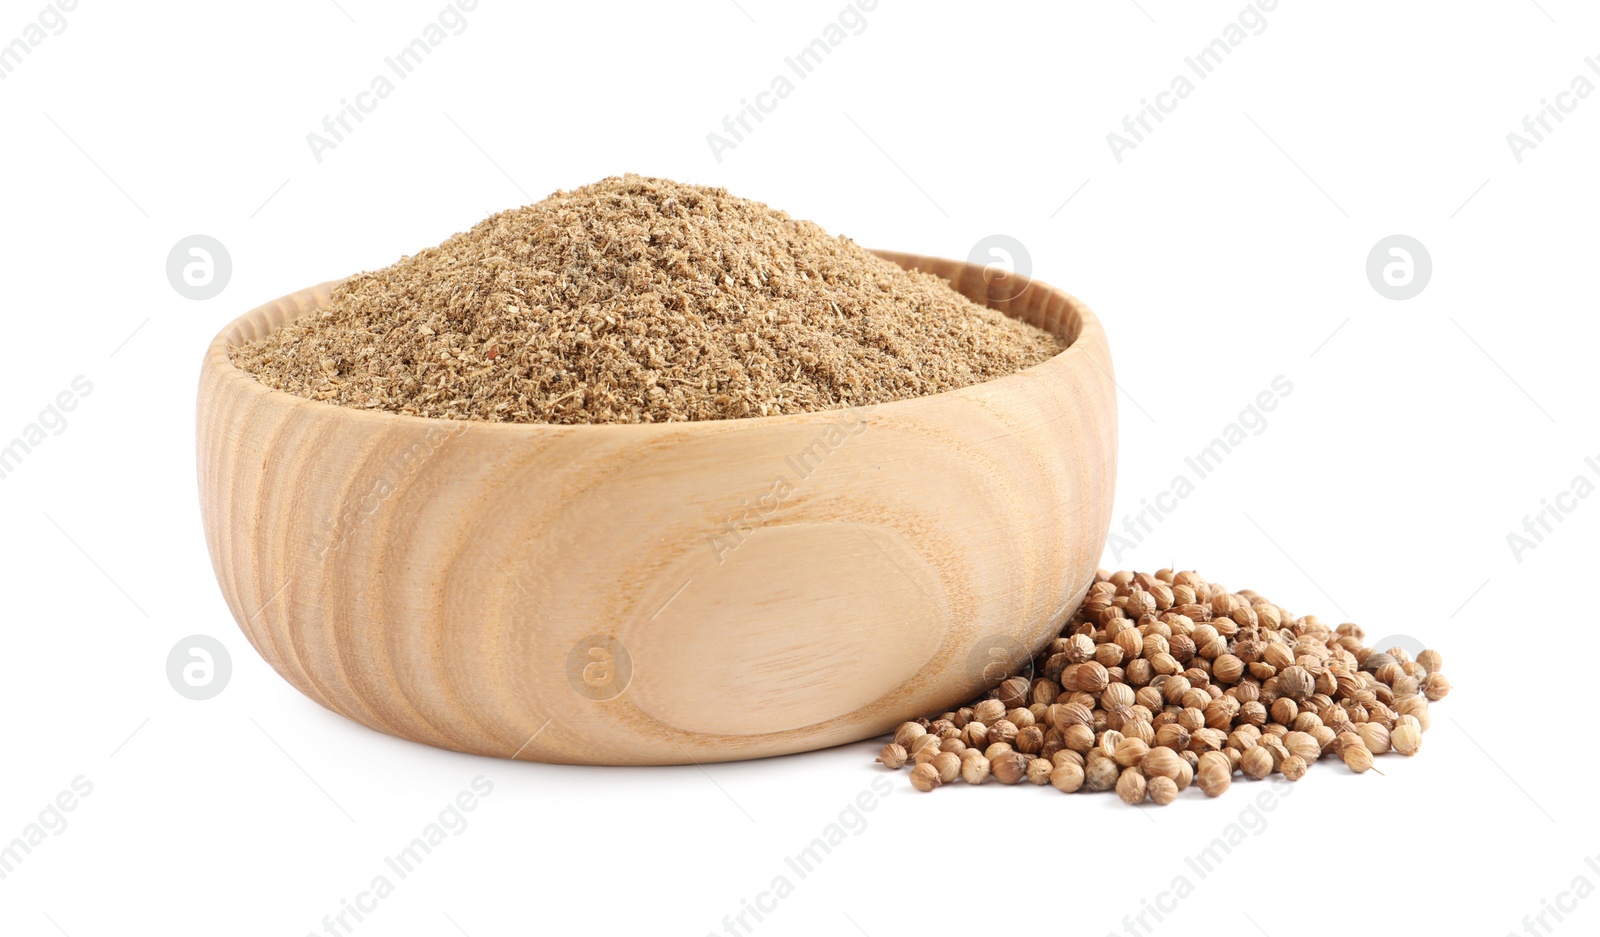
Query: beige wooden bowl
{"type": "Point", "coordinates": [668, 593]}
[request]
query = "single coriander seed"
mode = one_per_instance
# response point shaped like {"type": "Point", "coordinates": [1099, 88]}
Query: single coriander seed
{"type": "Point", "coordinates": [974, 767]}
{"type": "Point", "coordinates": [908, 733]}
{"type": "Point", "coordinates": [1132, 786]}
{"type": "Point", "coordinates": [1357, 758]}
{"type": "Point", "coordinates": [1161, 790]}
{"type": "Point", "coordinates": [1100, 774]}
{"type": "Point", "coordinates": [1009, 767]}
{"type": "Point", "coordinates": [925, 777]}
{"type": "Point", "coordinates": [989, 711]}
{"type": "Point", "coordinates": [1256, 763]}
{"type": "Point", "coordinates": [1375, 737]}
{"type": "Point", "coordinates": [1405, 738]}
{"type": "Point", "coordinates": [1161, 762]}
{"type": "Point", "coordinates": [1067, 778]}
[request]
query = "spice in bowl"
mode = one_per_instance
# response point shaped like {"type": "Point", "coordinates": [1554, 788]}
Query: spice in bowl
{"type": "Point", "coordinates": [640, 300]}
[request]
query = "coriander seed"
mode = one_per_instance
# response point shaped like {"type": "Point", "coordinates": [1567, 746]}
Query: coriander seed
{"type": "Point", "coordinates": [1131, 786]}
{"type": "Point", "coordinates": [1374, 736]}
{"type": "Point", "coordinates": [907, 733]}
{"type": "Point", "coordinates": [989, 711]}
{"type": "Point", "coordinates": [925, 777]}
{"type": "Point", "coordinates": [1161, 762]}
{"type": "Point", "coordinates": [1256, 763]}
{"type": "Point", "coordinates": [1213, 779]}
{"type": "Point", "coordinates": [1066, 777]}
{"type": "Point", "coordinates": [1009, 767]}
{"type": "Point", "coordinates": [1161, 790]}
{"type": "Point", "coordinates": [974, 767]}
{"type": "Point", "coordinates": [1100, 774]}
{"type": "Point", "coordinates": [1356, 757]}
{"type": "Point", "coordinates": [1406, 739]}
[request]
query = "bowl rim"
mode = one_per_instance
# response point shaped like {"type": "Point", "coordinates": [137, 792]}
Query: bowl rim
{"type": "Point", "coordinates": [1088, 335]}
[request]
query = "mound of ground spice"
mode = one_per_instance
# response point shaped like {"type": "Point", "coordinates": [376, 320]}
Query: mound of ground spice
{"type": "Point", "coordinates": [640, 300]}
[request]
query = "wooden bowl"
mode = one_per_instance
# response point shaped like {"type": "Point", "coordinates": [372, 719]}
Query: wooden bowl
{"type": "Point", "coordinates": [660, 593]}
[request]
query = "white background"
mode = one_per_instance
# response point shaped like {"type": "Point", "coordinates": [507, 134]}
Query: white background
{"type": "Point", "coordinates": [1227, 249]}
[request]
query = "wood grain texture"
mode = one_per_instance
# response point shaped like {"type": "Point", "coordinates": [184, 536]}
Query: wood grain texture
{"type": "Point", "coordinates": [659, 594]}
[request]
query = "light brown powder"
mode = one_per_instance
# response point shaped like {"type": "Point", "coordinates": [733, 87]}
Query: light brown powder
{"type": "Point", "coordinates": [640, 300]}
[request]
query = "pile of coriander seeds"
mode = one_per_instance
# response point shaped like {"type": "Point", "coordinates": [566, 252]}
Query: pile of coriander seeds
{"type": "Point", "coordinates": [1164, 681]}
